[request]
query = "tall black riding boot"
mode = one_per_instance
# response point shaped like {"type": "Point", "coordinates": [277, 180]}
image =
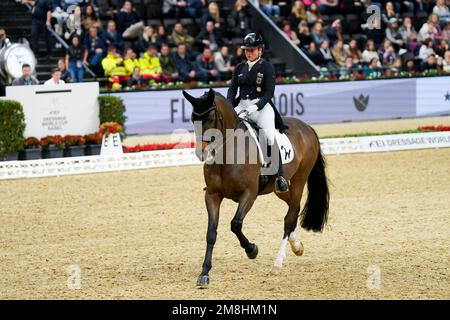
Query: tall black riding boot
{"type": "Point", "coordinates": [282, 184]}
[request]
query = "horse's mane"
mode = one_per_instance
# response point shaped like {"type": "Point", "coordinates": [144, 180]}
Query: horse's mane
{"type": "Point", "coordinates": [228, 105]}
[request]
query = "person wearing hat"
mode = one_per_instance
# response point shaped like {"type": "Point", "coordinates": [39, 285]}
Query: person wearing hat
{"type": "Point", "coordinates": [255, 79]}
{"type": "Point", "coordinates": [394, 35]}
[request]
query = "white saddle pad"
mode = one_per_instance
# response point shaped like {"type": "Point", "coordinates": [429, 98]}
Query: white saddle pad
{"type": "Point", "coordinates": [285, 146]}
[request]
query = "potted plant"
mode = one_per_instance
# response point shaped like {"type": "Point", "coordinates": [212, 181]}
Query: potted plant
{"type": "Point", "coordinates": [12, 127]}
{"type": "Point", "coordinates": [52, 147]}
{"type": "Point", "coordinates": [112, 109]}
{"type": "Point", "coordinates": [74, 146]}
{"type": "Point", "coordinates": [111, 127]}
{"type": "Point", "coordinates": [32, 149]}
{"type": "Point", "coordinates": [93, 144]}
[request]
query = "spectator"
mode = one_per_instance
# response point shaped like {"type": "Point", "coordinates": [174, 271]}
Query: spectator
{"type": "Point", "coordinates": [304, 35]}
{"type": "Point", "coordinates": [112, 37]}
{"type": "Point", "coordinates": [389, 13]}
{"type": "Point", "coordinates": [298, 13]}
{"type": "Point", "coordinates": [389, 56]}
{"type": "Point", "coordinates": [441, 48]}
{"type": "Point", "coordinates": [126, 20]}
{"type": "Point", "coordinates": [162, 37]}
{"type": "Point", "coordinates": [176, 8]}
{"type": "Point", "coordinates": [431, 63]}
{"type": "Point", "coordinates": [441, 10]}
{"type": "Point", "coordinates": [314, 54]}
{"type": "Point", "coordinates": [136, 80]}
{"type": "Point", "coordinates": [334, 32]}
{"type": "Point", "coordinates": [446, 62]}
{"type": "Point", "coordinates": [271, 10]}
{"type": "Point", "coordinates": [409, 34]}
{"type": "Point", "coordinates": [130, 61]}
{"type": "Point", "coordinates": [73, 23]}
{"type": "Point", "coordinates": [55, 79]}
{"type": "Point", "coordinates": [340, 54]}
{"type": "Point", "coordinates": [318, 33]}
{"type": "Point", "coordinates": [241, 18]}
{"type": "Point", "coordinates": [150, 65]}
{"type": "Point", "coordinates": [89, 18]}
{"type": "Point", "coordinates": [65, 74]}
{"type": "Point", "coordinates": [429, 29]}
{"type": "Point", "coordinates": [374, 69]}
{"type": "Point", "coordinates": [75, 57]}
{"type": "Point", "coordinates": [328, 6]}
{"type": "Point", "coordinates": [148, 37]}
{"type": "Point", "coordinates": [313, 14]}
{"type": "Point", "coordinates": [113, 66]}
{"type": "Point", "coordinates": [179, 35]}
{"type": "Point", "coordinates": [327, 57]}
{"type": "Point", "coordinates": [211, 14]}
{"type": "Point", "coordinates": [195, 8]}
{"type": "Point", "coordinates": [370, 52]}
{"type": "Point", "coordinates": [60, 15]}
{"type": "Point", "coordinates": [210, 37]}
{"type": "Point", "coordinates": [169, 70]}
{"type": "Point", "coordinates": [26, 79]}
{"type": "Point", "coordinates": [393, 34]}
{"type": "Point", "coordinates": [291, 35]}
{"type": "Point", "coordinates": [374, 32]}
{"type": "Point", "coordinates": [184, 66]}
{"type": "Point", "coordinates": [409, 66]}
{"type": "Point", "coordinates": [222, 60]}
{"type": "Point", "coordinates": [426, 50]}
{"type": "Point", "coordinates": [354, 53]}
{"type": "Point", "coordinates": [96, 49]}
{"type": "Point", "coordinates": [445, 31]}
{"type": "Point", "coordinates": [207, 70]}
{"type": "Point", "coordinates": [40, 21]}
{"type": "Point", "coordinates": [238, 56]}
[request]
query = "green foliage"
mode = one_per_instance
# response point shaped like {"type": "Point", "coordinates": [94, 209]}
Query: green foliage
{"type": "Point", "coordinates": [112, 109]}
{"type": "Point", "coordinates": [12, 127]}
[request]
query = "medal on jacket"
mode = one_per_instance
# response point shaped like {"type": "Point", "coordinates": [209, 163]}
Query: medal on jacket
{"type": "Point", "coordinates": [259, 78]}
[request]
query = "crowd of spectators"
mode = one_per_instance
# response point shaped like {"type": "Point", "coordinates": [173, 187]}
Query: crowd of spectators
{"type": "Point", "coordinates": [109, 38]}
{"type": "Point", "coordinates": [338, 35]}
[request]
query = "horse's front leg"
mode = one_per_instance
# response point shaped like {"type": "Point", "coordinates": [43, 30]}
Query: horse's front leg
{"type": "Point", "coordinates": [245, 204]}
{"type": "Point", "coordinates": [213, 201]}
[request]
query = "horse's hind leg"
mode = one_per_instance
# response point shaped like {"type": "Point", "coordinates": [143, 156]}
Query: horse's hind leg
{"type": "Point", "coordinates": [244, 207]}
{"type": "Point", "coordinates": [293, 199]}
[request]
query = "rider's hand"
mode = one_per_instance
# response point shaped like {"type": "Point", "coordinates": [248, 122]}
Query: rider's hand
{"type": "Point", "coordinates": [251, 109]}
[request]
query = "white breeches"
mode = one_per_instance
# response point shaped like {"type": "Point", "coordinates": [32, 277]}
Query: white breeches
{"type": "Point", "coordinates": [264, 118]}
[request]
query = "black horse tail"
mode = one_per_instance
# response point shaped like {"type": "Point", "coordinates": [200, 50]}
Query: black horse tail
{"type": "Point", "coordinates": [315, 213]}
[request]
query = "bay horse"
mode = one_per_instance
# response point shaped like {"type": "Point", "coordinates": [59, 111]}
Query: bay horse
{"type": "Point", "coordinates": [240, 182]}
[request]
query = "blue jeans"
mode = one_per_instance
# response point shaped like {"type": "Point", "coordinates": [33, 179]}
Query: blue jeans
{"type": "Point", "coordinates": [274, 11]}
{"type": "Point", "coordinates": [76, 73]}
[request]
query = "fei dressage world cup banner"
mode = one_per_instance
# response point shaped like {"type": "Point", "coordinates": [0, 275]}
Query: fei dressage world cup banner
{"type": "Point", "coordinates": [165, 111]}
{"type": "Point", "coordinates": [58, 109]}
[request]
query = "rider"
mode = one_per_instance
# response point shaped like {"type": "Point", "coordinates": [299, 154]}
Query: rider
{"type": "Point", "coordinates": [256, 80]}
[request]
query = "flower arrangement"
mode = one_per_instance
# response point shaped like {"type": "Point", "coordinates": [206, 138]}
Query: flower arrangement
{"type": "Point", "coordinates": [93, 138]}
{"type": "Point", "coordinates": [159, 146]}
{"type": "Point", "coordinates": [32, 143]}
{"type": "Point", "coordinates": [434, 128]}
{"type": "Point", "coordinates": [74, 140]}
{"type": "Point", "coordinates": [56, 141]}
{"type": "Point", "coordinates": [110, 127]}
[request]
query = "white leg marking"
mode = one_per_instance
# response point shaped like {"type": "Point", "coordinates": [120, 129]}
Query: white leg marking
{"type": "Point", "coordinates": [281, 253]}
{"type": "Point", "coordinates": [296, 245]}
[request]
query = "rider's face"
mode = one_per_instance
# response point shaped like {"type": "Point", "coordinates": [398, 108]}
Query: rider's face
{"type": "Point", "coordinates": [253, 53]}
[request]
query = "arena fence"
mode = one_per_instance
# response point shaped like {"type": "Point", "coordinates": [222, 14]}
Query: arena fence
{"type": "Point", "coordinates": [183, 157]}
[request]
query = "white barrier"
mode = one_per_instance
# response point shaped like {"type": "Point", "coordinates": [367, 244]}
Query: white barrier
{"type": "Point", "coordinates": [182, 157]}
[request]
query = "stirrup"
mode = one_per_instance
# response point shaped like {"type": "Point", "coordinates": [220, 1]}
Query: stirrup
{"type": "Point", "coordinates": [281, 185]}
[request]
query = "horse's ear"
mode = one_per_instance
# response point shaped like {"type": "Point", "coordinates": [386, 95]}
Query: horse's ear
{"type": "Point", "coordinates": [190, 98]}
{"type": "Point", "coordinates": [211, 96]}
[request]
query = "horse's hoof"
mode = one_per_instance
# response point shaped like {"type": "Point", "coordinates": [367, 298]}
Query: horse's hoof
{"type": "Point", "coordinates": [276, 270]}
{"type": "Point", "coordinates": [298, 251]}
{"type": "Point", "coordinates": [252, 252]}
{"type": "Point", "coordinates": [203, 282]}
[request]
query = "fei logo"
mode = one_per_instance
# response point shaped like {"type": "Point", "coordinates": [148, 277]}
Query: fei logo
{"type": "Point", "coordinates": [361, 102]}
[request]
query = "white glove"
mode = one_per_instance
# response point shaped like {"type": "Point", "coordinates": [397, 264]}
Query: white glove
{"type": "Point", "coordinates": [251, 109]}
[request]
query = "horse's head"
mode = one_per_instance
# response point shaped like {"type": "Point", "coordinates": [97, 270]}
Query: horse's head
{"type": "Point", "coordinates": [204, 115]}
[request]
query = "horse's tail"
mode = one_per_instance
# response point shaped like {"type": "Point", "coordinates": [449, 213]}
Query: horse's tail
{"type": "Point", "coordinates": [315, 213]}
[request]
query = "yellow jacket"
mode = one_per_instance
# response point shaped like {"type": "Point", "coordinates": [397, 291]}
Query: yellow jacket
{"type": "Point", "coordinates": [130, 64]}
{"type": "Point", "coordinates": [149, 64]}
{"type": "Point", "coordinates": [111, 67]}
